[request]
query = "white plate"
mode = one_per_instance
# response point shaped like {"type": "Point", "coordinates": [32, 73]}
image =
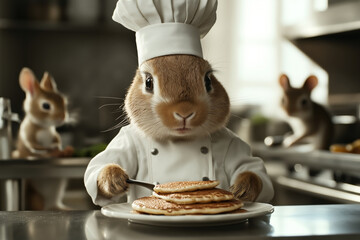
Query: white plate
{"type": "Point", "coordinates": [124, 211]}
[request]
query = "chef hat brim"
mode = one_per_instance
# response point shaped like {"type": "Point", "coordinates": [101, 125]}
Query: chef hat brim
{"type": "Point", "coordinates": [180, 39]}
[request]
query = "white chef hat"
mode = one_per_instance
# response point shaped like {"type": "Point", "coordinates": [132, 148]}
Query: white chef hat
{"type": "Point", "coordinates": [166, 27]}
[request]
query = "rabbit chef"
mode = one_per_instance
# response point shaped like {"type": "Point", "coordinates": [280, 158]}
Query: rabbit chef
{"type": "Point", "coordinates": [177, 111]}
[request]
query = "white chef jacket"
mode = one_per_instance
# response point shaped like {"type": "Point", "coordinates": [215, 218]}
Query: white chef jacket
{"type": "Point", "coordinates": [221, 156]}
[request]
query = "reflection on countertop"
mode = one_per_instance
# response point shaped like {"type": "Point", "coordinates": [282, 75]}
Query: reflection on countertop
{"type": "Point", "coordinates": [315, 221]}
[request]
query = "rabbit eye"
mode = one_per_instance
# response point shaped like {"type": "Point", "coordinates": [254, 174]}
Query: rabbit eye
{"type": "Point", "coordinates": [149, 83]}
{"type": "Point", "coordinates": [207, 81]}
{"type": "Point", "coordinates": [46, 106]}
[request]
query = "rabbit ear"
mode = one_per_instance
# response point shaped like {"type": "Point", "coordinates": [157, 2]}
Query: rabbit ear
{"type": "Point", "coordinates": [48, 83]}
{"type": "Point", "coordinates": [310, 83]}
{"type": "Point", "coordinates": [28, 81]}
{"type": "Point", "coordinates": [284, 82]}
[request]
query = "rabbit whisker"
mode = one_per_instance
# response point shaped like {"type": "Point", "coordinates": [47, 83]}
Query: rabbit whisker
{"type": "Point", "coordinates": [117, 111]}
{"type": "Point", "coordinates": [105, 97]}
{"type": "Point", "coordinates": [110, 104]}
{"type": "Point", "coordinates": [112, 128]}
{"type": "Point", "coordinates": [121, 116]}
{"type": "Point", "coordinates": [122, 123]}
{"type": "Point", "coordinates": [236, 116]}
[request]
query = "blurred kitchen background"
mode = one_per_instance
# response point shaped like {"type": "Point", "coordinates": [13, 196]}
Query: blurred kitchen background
{"type": "Point", "coordinates": [93, 60]}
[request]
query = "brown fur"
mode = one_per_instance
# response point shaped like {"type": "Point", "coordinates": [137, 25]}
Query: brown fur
{"type": "Point", "coordinates": [112, 181]}
{"type": "Point", "coordinates": [37, 119]}
{"type": "Point", "coordinates": [24, 152]}
{"type": "Point", "coordinates": [247, 186]}
{"type": "Point", "coordinates": [312, 115]}
{"type": "Point", "coordinates": [179, 88]}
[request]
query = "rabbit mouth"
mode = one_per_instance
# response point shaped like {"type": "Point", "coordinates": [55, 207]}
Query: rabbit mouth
{"type": "Point", "coordinates": [182, 130]}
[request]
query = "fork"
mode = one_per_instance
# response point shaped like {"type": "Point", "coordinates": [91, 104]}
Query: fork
{"type": "Point", "coordinates": [141, 183]}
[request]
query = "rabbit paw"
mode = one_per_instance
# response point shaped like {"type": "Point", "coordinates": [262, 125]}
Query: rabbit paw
{"type": "Point", "coordinates": [112, 181]}
{"type": "Point", "coordinates": [67, 152]}
{"type": "Point", "coordinates": [247, 187]}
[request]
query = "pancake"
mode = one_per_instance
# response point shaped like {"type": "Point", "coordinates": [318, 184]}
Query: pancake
{"type": "Point", "coordinates": [199, 196]}
{"type": "Point", "coordinates": [185, 186]}
{"type": "Point", "coordinates": [157, 206]}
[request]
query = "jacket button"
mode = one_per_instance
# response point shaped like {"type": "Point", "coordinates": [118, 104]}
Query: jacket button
{"type": "Point", "coordinates": [154, 151]}
{"type": "Point", "coordinates": [204, 150]}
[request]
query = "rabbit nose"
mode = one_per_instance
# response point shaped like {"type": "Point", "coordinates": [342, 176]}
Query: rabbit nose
{"type": "Point", "coordinates": [184, 111]}
{"type": "Point", "coordinates": [182, 116]}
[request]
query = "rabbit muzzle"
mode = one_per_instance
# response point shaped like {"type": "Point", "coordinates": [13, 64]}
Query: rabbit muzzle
{"type": "Point", "coordinates": [183, 116]}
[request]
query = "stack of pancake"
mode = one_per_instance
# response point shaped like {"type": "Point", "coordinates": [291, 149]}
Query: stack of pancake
{"type": "Point", "coordinates": [190, 197]}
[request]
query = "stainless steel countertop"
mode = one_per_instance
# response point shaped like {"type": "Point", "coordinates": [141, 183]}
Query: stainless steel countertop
{"type": "Point", "coordinates": [277, 158]}
{"type": "Point", "coordinates": [320, 159]}
{"type": "Point", "coordinates": [14, 171]}
{"type": "Point", "coordinates": [43, 168]}
{"type": "Point", "coordinates": [296, 222]}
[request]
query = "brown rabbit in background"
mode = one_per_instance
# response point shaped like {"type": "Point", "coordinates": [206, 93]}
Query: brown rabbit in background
{"type": "Point", "coordinates": [46, 109]}
{"type": "Point", "coordinates": [307, 118]}
{"type": "Point", "coordinates": [177, 111]}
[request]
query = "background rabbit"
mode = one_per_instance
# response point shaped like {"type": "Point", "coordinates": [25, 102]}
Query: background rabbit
{"type": "Point", "coordinates": [45, 109]}
{"type": "Point", "coordinates": [174, 100]}
{"type": "Point", "coordinates": [307, 118]}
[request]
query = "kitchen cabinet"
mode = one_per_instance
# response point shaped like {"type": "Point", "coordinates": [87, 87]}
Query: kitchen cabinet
{"type": "Point", "coordinates": [331, 39]}
{"type": "Point", "coordinates": [92, 59]}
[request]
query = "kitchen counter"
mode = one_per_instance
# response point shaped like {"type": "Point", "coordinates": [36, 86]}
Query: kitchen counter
{"type": "Point", "coordinates": [14, 171]}
{"type": "Point", "coordinates": [43, 168]}
{"type": "Point", "coordinates": [339, 221]}
{"type": "Point", "coordinates": [323, 185]}
{"type": "Point", "coordinates": [319, 159]}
